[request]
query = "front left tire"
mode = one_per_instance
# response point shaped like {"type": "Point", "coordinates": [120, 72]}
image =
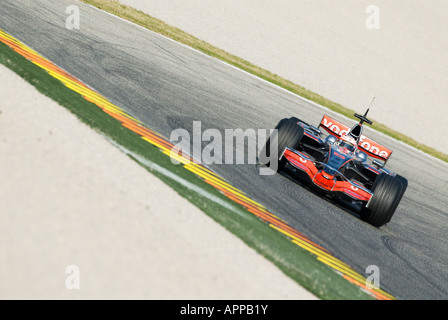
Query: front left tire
{"type": "Point", "coordinates": [289, 134]}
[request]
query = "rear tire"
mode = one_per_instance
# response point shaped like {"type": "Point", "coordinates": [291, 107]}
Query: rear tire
{"type": "Point", "coordinates": [297, 120]}
{"type": "Point", "coordinates": [289, 135]}
{"type": "Point", "coordinates": [388, 191]}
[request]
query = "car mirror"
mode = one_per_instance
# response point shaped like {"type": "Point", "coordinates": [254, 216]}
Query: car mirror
{"type": "Point", "coordinates": [377, 163]}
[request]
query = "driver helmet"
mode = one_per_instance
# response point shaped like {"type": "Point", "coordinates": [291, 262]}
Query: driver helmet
{"type": "Point", "coordinates": [330, 139]}
{"type": "Point", "coordinates": [347, 142]}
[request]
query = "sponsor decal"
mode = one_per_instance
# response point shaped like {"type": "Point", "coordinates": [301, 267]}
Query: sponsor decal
{"type": "Point", "coordinates": [372, 147]}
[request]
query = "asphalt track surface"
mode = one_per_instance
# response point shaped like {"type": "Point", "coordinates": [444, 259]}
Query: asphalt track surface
{"type": "Point", "coordinates": [167, 86]}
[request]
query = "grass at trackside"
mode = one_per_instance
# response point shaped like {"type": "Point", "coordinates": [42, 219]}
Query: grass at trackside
{"type": "Point", "coordinates": [156, 25]}
{"type": "Point", "coordinates": [298, 264]}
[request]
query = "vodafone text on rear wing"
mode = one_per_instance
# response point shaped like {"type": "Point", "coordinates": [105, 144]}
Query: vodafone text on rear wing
{"type": "Point", "coordinates": [372, 148]}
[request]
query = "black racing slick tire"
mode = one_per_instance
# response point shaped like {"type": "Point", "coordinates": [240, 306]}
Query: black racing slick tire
{"type": "Point", "coordinates": [387, 194]}
{"type": "Point", "coordinates": [404, 184]}
{"type": "Point", "coordinates": [289, 134]}
{"type": "Point", "coordinates": [297, 120]}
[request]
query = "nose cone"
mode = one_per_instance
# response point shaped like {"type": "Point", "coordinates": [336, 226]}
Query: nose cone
{"type": "Point", "coordinates": [324, 180]}
{"type": "Point", "coordinates": [335, 160]}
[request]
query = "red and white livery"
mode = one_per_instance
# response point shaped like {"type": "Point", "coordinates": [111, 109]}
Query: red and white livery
{"type": "Point", "coordinates": [341, 162]}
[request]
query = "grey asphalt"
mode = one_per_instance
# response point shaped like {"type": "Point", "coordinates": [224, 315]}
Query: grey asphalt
{"type": "Point", "coordinates": [168, 86]}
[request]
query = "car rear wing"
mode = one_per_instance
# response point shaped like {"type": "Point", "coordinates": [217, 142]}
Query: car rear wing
{"type": "Point", "coordinates": [372, 148]}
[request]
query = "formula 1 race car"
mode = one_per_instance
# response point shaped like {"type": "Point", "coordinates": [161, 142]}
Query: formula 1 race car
{"type": "Point", "coordinates": [334, 160]}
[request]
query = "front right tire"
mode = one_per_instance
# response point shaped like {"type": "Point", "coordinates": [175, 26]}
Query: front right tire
{"type": "Point", "coordinates": [387, 194]}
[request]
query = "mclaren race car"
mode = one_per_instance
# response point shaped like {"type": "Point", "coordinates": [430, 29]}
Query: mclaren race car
{"type": "Point", "coordinates": [341, 162]}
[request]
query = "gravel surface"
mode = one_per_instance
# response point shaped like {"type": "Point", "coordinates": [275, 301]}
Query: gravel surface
{"type": "Point", "coordinates": [70, 198]}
